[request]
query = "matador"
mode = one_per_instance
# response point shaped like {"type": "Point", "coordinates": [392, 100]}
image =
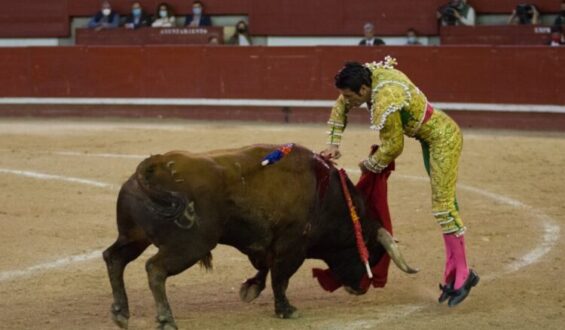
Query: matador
{"type": "Point", "coordinates": [398, 108]}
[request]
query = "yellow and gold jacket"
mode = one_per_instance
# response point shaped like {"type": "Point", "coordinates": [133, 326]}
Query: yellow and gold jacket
{"type": "Point", "coordinates": [397, 107]}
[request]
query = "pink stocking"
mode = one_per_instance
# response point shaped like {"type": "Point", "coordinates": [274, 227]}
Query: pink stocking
{"type": "Point", "coordinates": [455, 260]}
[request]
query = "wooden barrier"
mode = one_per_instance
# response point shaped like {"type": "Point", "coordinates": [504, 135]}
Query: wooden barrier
{"type": "Point", "coordinates": [485, 74]}
{"type": "Point", "coordinates": [495, 35]}
{"type": "Point", "coordinates": [149, 36]}
{"type": "Point", "coordinates": [34, 19]}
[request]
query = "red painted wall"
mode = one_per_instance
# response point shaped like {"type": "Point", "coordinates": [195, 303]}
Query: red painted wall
{"type": "Point", "coordinates": [34, 19]}
{"type": "Point", "coordinates": [529, 75]}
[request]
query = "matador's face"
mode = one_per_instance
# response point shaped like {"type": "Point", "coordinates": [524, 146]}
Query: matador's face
{"type": "Point", "coordinates": [357, 99]}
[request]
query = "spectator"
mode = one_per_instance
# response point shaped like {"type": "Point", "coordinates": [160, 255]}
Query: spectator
{"type": "Point", "coordinates": [412, 38]}
{"type": "Point", "coordinates": [137, 17]}
{"type": "Point", "coordinates": [370, 40]}
{"type": "Point", "coordinates": [164, 16]}
{"type": "Point", "coordinates": [241, 35]}
{"type": "Point", "coordinates": [557, 37]}
{"type": "Point", "coordinates": [524, 14]}
{"type": "Point", "coordinates": [456, 12]}
{"type": "Point", "coordinates": [198, 18]}
{"type": "Point", "coordinates": [560, 20]}
{"type": "Point", "coordinates": [106, 18]}
{"type": "Point", "coordinates": [213, 40]}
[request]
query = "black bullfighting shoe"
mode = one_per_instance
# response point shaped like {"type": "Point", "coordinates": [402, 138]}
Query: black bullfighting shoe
{"type": "Point", "coordinates": [446, 292]}
{"type": "Point", "coordinates": [457, 296]}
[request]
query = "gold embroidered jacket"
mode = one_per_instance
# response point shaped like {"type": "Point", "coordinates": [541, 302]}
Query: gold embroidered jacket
{"type": "Point", "coordinates": [397, 107]}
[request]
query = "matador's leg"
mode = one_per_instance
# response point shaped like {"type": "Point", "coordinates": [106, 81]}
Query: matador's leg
{"type": "Point", "coordinates": [441, 159]}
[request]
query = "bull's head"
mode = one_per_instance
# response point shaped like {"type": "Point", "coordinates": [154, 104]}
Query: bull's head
{"type": "Point", "coordinates": [343, 256]}
{"type": "Point", "coordinates": [352, 273]}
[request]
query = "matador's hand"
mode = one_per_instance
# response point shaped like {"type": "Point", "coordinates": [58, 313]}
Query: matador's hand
{"type": "Point", "coordinates": [332, 152]}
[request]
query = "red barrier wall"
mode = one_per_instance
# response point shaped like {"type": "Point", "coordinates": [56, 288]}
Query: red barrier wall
{"type": "Point", "coordinates": [529, 75]}
{"type": "Point", "coordinates": [34, 19]}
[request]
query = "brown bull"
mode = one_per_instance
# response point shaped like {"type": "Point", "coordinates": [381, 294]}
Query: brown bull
{"type": "Point", "coordinates": [279, 215]}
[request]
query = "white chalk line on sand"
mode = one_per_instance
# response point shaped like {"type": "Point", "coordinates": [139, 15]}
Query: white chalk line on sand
{"type": "Point", "coordinates": [59, 263]}
{"type": "Point", "coordinates": [45, 176]}
{"type": "Point", "coordinates": [550, 236]}
{"type": "Point", "coordinates": [63, 262]}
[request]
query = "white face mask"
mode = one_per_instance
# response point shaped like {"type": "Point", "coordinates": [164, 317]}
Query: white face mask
{"type": "Point", "coordinates": [163, 13]}
{"type": "Point", "coordinates": [412, 39]}
{"type": "Point", "coordinates": [106, 11]}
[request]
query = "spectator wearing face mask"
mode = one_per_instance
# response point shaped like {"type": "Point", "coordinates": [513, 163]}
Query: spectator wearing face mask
{"type": "Point", "coordinates": [370, 39]}
{"type": "Point", "coordinates": [241, 35]}
{"type": "Point", "coordinates": [106, 18]}
{"type": "Point", "coordinates": [412, 38]}
{"type": "Point", "coordinates": [524, 14]}
{"type": "Point", "coordinates": [198, 18]}
{"type": "Point", "coordinates": [164, 16]}
{"type": "Point", "coordinates": [137, 18]}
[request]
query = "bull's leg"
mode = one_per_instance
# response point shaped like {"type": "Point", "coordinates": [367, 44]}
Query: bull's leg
{"type": "Point", "coordinates": [162, 265]}
{"type": "Point", "coordinates": [281, 271]}
{"type": "Point", "coordinates": [252, 287]}
{"type": "Point", "coordinates": [117, 256]}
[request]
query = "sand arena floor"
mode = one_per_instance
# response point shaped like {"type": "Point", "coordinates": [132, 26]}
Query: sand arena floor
{"type": "Point", "coordinates": [53, 230]}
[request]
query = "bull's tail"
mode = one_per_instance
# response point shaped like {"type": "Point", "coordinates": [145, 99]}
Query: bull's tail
{"type": "Point", "coordinates": [206, 262]}
{"type": "Point", "coordinates": [168, 205]}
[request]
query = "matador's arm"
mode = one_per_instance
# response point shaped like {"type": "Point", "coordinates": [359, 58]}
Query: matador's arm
{"type": "Point", "coordinates": [337, 121]}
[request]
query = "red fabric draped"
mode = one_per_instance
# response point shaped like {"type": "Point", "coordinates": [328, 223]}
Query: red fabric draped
{"type": "Point", "coordinates": [374, 188]}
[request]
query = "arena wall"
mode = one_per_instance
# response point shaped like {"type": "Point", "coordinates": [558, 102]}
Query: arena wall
{"type": "Point", "coordinates": [482, 74]}
{"type": "Point", "coordinates": [463, 75]}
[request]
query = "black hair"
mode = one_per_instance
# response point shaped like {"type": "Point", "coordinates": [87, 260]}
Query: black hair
{"type": "Point", "coordinates": [197, 2]}
{"type": "Point", "coordinates": [352, 76]}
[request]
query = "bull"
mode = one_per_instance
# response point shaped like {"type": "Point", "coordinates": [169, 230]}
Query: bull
{"type": "Point", "coordinates": [185, 204]}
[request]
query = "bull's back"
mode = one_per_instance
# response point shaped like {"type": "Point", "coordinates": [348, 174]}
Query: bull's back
{"type": "Point", "coordinates": [279, 193]}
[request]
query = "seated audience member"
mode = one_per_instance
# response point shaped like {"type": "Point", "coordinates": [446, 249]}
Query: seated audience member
{"type": "Point", "coordinates": [198, 18]}
{"type": "Point", "coordinates": [137, 17]}
{"type": "Point", "coordinates": [370, 40]}
{"type": "Point", "coordinates": [524, 14]}
{"type": "Point", "coordinates": [106, 18]}
{"type": "Point", "coordinates": [213, 40]}
{"type": "Point", "coordinates": [557, 37]}
{"type": "Point", "coordinates": [241, 35]}
{"type": "Point", "coordinates": [560, 19]}
{"type": "Point", "coordinates": [164, 16]}
{"type": "Point", "coordinates": [412, 38]}
{"type": "Point", "coordinates": [456, 12]}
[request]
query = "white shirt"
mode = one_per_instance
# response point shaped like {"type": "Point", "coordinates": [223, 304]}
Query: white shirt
{"type": "Point", "coordinates": [243, 40]}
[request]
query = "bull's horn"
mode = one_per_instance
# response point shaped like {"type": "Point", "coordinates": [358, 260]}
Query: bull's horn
{"type": "Point", "coordinates": [170, 163]}
{"type": "Point", "coordinates": [386, 239]}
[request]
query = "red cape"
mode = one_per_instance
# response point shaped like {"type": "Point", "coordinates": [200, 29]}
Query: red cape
{"type": "Point", "coordinates": [373, 187]}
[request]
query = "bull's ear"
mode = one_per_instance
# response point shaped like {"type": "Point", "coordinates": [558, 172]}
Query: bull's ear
{"type": "Point", "coordinates": [387, 241]}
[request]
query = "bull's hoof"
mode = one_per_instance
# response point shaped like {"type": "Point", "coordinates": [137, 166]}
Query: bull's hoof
{"type": "Point", "coordinates": [288, 312]}
{"type": "Point", "coordinates": [119, 317]}
{"type": "Point", "coordinates": [166, 323]}
{"type": "Point", "coordinates": [249, 291]}
{"type": "Point", "coordinates": [167, 326]}
{"type": "Point", "coordinates": [120, 320]}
